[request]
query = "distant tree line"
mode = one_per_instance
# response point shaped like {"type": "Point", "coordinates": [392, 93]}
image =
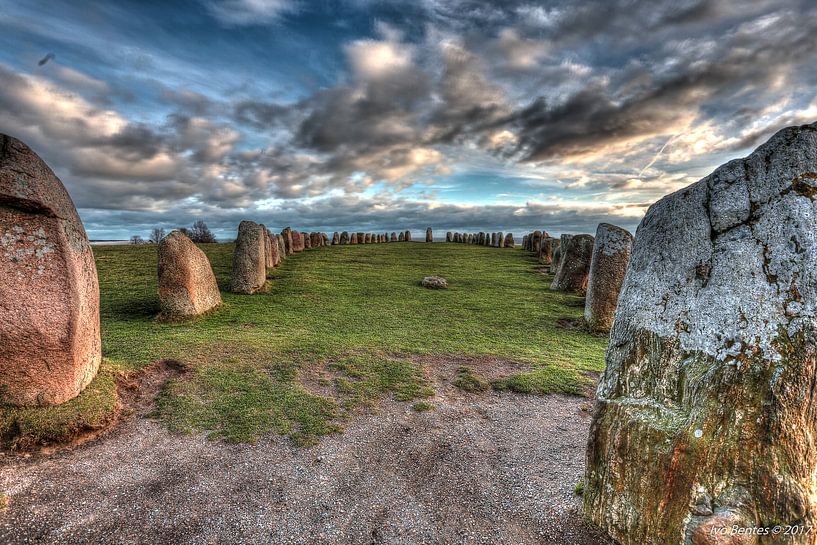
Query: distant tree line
{"type": "Point", "coordinates": [199, 232]}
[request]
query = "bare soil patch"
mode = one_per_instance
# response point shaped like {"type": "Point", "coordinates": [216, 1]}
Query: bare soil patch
{"type": "Point", "coordinates": [478, 468]}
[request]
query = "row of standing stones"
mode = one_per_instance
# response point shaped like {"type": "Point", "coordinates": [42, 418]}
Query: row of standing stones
{"type": "Point", "coordinates": [705, 414]}
{"type": "Point", "coordinates": [595, 266]}
{"type": "Point", "coordinates": [494, 240]}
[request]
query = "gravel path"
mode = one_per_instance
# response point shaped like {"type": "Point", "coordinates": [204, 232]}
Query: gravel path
{"type": "Point", "coordinates": [486, 468]}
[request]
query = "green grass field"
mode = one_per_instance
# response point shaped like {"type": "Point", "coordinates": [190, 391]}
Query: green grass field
{"type": "Point", "coordinates": [356, 312]}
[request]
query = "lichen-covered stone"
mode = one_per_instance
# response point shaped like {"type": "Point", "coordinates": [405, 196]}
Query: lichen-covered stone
{"type": "Point", "coordinates": [282, 250]}
{"type": "Point", "coordinates": [536, 241]}
{"type": "Point", "coordinates": [706, 412]}
{"type": "Point", "coordinates": [611, 253]}
{"type": "Point", "coordinates": [249, 259]}
{"type": "Point", "coordinates": [49, 294]}
{"type": "Point", "coordinates": [574, 266]}
{"type": "Point", "coordinates": [546, 248]}
{"type": "Point", "coordinates": [187, 285]}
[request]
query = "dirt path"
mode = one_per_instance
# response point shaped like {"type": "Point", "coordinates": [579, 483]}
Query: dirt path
{"type": "Point", "coordinates": [485, 468]}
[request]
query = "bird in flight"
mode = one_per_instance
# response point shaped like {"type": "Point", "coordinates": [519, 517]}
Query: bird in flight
{"type": "Point", "coordinates": [45, 59]}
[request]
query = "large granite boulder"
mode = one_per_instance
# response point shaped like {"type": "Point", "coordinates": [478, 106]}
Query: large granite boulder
{"type": "Point", "coordinates": [574, 267]}
{"type": "Point", "coordinates": [706, 414]}
{"type": "Point", "coordinates": [429, 235]}
{"type": "Point", "coordinates": [317, 240]}
{"type": "Point", "coordinates": [611, 253]}
{"type": "Point", "coordinates": [249, 259]}
{"type": "Point", "coordinates": [49, 294]}
{"type": "Point", "coordinates": [187, 285]}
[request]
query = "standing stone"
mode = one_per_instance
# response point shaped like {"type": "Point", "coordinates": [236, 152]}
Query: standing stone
{"type": "Point", "coordinates": [574, 268]}
{"type": "Point", "coordinates": [500, 240]}
{"type": "Point", "coordinates": [706, 413]}
{"type": "Point", "coordinates": [367, 238]}
{"type": "Point", "coordinates": [449, 237]}
{"type": "Point", "coordinates": [276, 255]}
{"type": "Point", "coordinates": [536, 241]}
{"type": "Point", "coordinates": [481, 238]}
{"type": "Point", "coordinates": [187, 285]}
{"type": "Point", "coordinates": [325, 239]}
{"type": "Point", "coordinates": [509, 240]}
{"type": "Point", "coordinates": [307, 239]}
{"type": "Point", "coordinates": [361, 238]}
{"type": "Point", "coordinates": [317, 240]}
{"type": "Point", "coordinates": [407, 238]}
{"type": "Point", "coordinates": [353, 240]}
{"type": "Point", "coordinates": [429, 237]}
{"type": "Point", "coordinates": [287, 234]}
{"type": "Point", "coordinates": [268, 261]}
{"type": "Point", "coordinates": [249, 268]}
{"type": "Point", "coordinates": [344, 238]}
{"type": "Point", "coordinates": [393, 236]}
{"type": "Point", "coordinates": [546, 248]}
{"type": "Point", "coordinates": [49, 294]}
{"type": "Point", "coordinates": [557, 257]}
{"type": "Point", "coordinates": [282, 250]}
{"type": "Point", "coordinates": [493, 240]}
{"type": "Point", "coordinates": [611, 253]}
{"type": "Point", "coordinates": [335, 238]}
{"type": "Point", "coordinates": [297, 241]}
{"type": "Point", "coordinates": [400, 237]}
{"type": "Point", "coordinates": [525, 242]}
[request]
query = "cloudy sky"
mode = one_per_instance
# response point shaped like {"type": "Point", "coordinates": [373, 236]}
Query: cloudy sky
{"type": "Point", "coordinates": [385, 115]}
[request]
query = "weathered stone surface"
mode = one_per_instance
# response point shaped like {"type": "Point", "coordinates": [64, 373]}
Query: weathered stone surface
{"type": "Point", "coordinates": [449, 237]}
{"type": "Point", "coordinates": [367, 238]}
{"type": "Point", "coordinates": [557, 257]}
{"type": "Point", "coordinates": [500, 240]}
{"type": "Point", "coordinates": [429, 235]}
{"type": "Point", "coordinates": [393, 236]}
{"type": "Point", "coordinates": [574, 267]}
{"type": "Point", "coordinates": [493, 239]}
{"type": "Point", "coordinates": [407, 238]}
{"type": "Point", "coordinates": [49, 293]}
{"type": "Point", "coordinates": [709, 389]}
{"type": "Point", "coordinates": [187, 285]}
{"type": "Point", "coordinates": [434, 283]}
{"type": "Point", "coordinates": [249, 259]}
{"type": "Point", "coordinates": [288, 242]}
{"type": "Point", "coordinates": [297, 241]}
{"type": "Point", "coordinates": [525, 242]}
{"type": "Point", "coordinates": [344, 237]}
{"type": "Point", "coordinates": [400, 237]}
{"type": "Point", "coordinates": [325, 239]}
{"type": "Point", "coordinates": [509, 241]}
{"type": "Point", "coordinates": [316, 239]}
{"type": "Point", "coordinates": [353, 239]}
{"type": "Point", "coordinates": [307, 239]}
{"type": "Point", "coordinates": [361, 238]}
{"type": "Point", "coordinates": [335, 238]}
{"type": "Point", "coordinates": [611, 253]}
